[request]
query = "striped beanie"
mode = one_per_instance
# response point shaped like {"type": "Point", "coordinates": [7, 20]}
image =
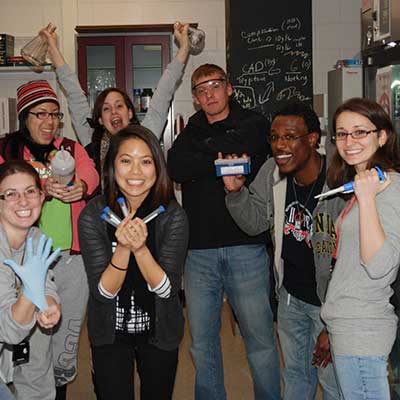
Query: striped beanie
{"type": "Point", "coordinates": [33, 92]}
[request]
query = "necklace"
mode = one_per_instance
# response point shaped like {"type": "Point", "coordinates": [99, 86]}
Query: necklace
{"type": "Point", "coordinates": [299, 217]}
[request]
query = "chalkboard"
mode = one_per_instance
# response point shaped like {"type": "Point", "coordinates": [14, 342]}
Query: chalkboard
{"type": "Point", "coordinates": [269, 52]}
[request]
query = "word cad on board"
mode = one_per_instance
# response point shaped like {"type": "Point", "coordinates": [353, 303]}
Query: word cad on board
{"type": "Point", "coordinates": [269, 53]}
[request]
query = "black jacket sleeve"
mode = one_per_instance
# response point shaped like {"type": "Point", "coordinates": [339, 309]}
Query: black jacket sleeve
{"type": "Point", "coordinates": [95, 245]}
{"type": "Point", "coordinates": [173, 234]}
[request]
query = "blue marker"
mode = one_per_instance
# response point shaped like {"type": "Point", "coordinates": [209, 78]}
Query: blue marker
{"type": "Point", "coordinates": [154, 214]}
{"type": "Point", "coordinates": [122, 204]}
{"type": "Point", "coordinates": [349, 186]}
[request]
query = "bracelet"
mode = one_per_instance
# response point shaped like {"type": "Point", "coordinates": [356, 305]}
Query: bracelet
{"type": "Point", "coordinates": [118, 268]}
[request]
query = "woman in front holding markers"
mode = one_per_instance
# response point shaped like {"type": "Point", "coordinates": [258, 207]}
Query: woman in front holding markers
{"type": "Point", "coordinates": [134, 272]}
{"type": "Point", "coordinates": [360, 319]}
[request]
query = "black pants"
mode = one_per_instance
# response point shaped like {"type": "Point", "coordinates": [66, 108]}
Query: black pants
{"type": "Point", "coordinates": [114, 365]}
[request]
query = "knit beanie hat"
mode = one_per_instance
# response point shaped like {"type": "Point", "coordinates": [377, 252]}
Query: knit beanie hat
{"type": "Point", "coordinates": [34, 92]}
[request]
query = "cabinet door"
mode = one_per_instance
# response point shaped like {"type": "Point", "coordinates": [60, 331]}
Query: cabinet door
{"type": "Point", "coordinates": [146, 57]}
{"type": "Point", "coordinates": [100, 64]}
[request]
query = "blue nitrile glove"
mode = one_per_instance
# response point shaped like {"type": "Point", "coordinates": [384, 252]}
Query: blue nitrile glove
{"type": "Point", "coordinates": [34, 270]}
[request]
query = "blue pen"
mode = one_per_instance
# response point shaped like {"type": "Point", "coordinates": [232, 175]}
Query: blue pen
{"type": "Point", "coordinates": [349, 186]}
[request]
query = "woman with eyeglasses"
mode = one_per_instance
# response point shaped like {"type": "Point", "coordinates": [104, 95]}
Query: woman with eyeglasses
{"type": "Point", "coordinates": [134, 272]}
{"type": "Point", "coordinates": [21, 200]}
{"type": "Point", "coordinates": [37, 142]}
{"type": "Point", "coordinates": [360, 319]}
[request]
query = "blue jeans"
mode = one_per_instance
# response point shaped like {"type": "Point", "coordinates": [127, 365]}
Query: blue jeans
{"type": "Point", "coordinates": [299, 325]}
{"type": "Point", "coordinates": [362, 378]}
{"type": "Point", "coordinates": [243, 273]}
{"type": "Point", "coordinates": [5, 394]}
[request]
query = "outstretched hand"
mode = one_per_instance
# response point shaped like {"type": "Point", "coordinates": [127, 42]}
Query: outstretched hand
{"type": "Point", "coordinates": [233, 183]}
{"type": "Point", "coordinates": [34, 270]}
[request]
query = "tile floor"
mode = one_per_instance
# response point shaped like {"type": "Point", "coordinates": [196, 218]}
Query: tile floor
{"type": "Point", "coordinates": [237, 374]}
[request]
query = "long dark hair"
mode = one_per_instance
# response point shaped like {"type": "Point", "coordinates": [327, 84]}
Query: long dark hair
{"type": "Point", "coordinates": [162, 191]}
{"type": "Point", "coordinates": [98, 107]}
{"type": "Point", "coordinates": [387, 156]}
{"type": "Point", "coordinates": [13, 167]}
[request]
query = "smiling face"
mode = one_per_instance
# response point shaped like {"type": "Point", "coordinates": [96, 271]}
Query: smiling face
{"type": "Point", "coordinates": [115, 114]}
{"type": "Point", "coordinates": [357, 152]}
{"type": "Point", "coordinates": [18, 216]}
{"type": "Point", "coordinates": [43, 131]}
{"type": "Point", "coordinates": [214, 101]}
{"type": "Point", "coordinates": [135, 170]}
{"type": "Point", "coordinates": [293, 156]}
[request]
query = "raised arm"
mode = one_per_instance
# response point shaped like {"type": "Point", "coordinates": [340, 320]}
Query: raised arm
{"type": "Point", "coordinates": [157, 113]}
{"type": "Point", "coordinates": [78, 105]}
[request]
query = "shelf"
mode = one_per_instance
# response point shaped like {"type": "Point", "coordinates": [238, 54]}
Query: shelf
{"type": "Point", "coordinates": [26, 68]}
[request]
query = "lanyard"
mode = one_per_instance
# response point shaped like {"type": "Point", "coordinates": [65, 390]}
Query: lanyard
{"type": "Point", "coordinates": [338, 227]}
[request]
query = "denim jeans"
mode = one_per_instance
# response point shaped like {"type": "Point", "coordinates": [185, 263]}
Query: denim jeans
{"type": "Point", "coordinates": [242, 272]}
{"type": "Point", "coordinates": [5, 394]}
{"type": "Point", "coordinates": [362, 378]}
{"type": "Point", "coordinates": [299, 325]}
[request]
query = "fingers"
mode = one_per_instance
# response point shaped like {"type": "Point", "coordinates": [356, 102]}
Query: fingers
{"type": "Point", "coordinates": [49, 318]}
{"type": "Point", "coordinates": [47, 249]}
{"type": "Point", "coordinates": [13, 265]}
{"type": "Point", "coordinates": [40, 246]}
{"type": "Point", "coordinates": [53, 257]}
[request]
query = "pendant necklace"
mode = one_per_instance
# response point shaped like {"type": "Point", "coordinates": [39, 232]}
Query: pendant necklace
{"type": "Point", "coordinates": [299, 216]}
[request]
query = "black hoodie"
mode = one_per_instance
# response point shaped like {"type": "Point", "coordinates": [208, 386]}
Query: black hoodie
{"type": "Point", "coordinates": [191, 163]}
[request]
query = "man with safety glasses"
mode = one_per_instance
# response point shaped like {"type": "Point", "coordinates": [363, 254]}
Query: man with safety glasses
{"type": "Point", "coordinates": [221, 257]}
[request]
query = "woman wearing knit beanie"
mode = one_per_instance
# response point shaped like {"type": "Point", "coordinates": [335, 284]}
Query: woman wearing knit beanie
{"type": "Point", "coordinates": [36, 141]}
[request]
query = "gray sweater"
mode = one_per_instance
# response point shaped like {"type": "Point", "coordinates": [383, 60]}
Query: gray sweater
{"type": "Point", "coordinates": [155, 117]}
{"type": "Point", "coordinates": [360, 319]}
{"type": "Point", "coordinates": [11, 332]}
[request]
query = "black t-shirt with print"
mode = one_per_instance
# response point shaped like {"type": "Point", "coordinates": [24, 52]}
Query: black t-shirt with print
{"type": "Point", "coordinates": [297, 253]}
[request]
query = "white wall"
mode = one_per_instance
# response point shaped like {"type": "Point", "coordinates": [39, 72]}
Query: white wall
{"type": "Point", "coordinates": [336, 28]}
{"type": "Point", "coordinates": [336, 36]}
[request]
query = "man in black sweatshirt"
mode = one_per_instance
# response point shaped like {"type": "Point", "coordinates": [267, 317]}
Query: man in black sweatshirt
{"type": "Point", "coordinates": [221, 257]}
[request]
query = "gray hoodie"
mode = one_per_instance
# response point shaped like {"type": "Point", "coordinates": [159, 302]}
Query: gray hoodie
{"type": "Point", "coordinates": [11, 332]}
{"type": "Point", "coordinates": [262, 207]}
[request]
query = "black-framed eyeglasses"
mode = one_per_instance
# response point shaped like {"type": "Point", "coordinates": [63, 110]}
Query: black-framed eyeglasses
{"type": "Point", "coordinates": [13, 195]}
{"type": "Point", "coordinates": [210, 85]}
{"type": "Point", "coordinates": [285, 138]}
{"type": "Point", "coordinates": [357, 134]}
{"type": "Point", "coordinates": [42, 115]}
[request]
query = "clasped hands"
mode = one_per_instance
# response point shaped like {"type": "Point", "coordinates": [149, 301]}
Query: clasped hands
{"type": "Point", "coordinates": [67, 194]}
{"type": "Point", "coordinates": [33, 274]}
{"type": "Point", "coordinates": [132, 233]}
